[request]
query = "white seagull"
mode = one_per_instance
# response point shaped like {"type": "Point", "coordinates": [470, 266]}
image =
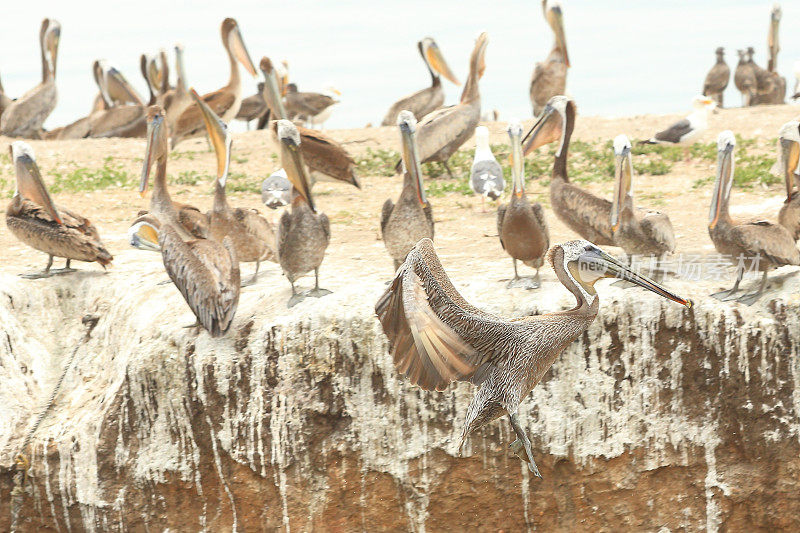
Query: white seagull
{"type": "Point", "coordinates": [276, 190]}
{"type": "Point", "coordinates": [487, 175]}
{"type": "Point", "coordinates": [686, 130]}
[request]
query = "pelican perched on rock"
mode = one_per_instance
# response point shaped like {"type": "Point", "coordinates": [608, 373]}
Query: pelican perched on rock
{"type": "Point", "coordinates": [717, 78]}
{"type": "Point", "coordinates": [224, 102]}
{"type": "Point", "coordinates": [303, 234]}
{"type": "Point", "coordinates": [549, 77]}
{"type": "Point", "coordinates": [430, 98]}
{"type": "Point", "coordinates": [323, 155]}
{"type": "Point", "coordinates": [443, 131]}
{"type": "Point", "coordinates": [685, 131]}
{"type": "Point", "coordinates": [486, 176]}
{"type": "Point", "coordinates": [437, 337]}
{"type": "Point", "coordinates": [25, 115]}
{"type": "Point", "coordinates": [758, 245]}
{"type": "Point", "coordinates": [276, 190]}
{"type": "Point", "coordinates": [35, 220]}
{"type": "Point", "coordinates": [744, 77]}
{"type": "Point", "coordinates": [411, 218]}
{"type": "Point", "coordinates": [251, 234]}
{"type": "Point", "coordinates": [521, 225]}
{"type": "Point", "coordinates": [635, 230]}
{"type": "Point", "coordinates": [205, 271]}
{"type": "Point", "coordinates": [585, 214]}
{"type": "Point", "coordinates": [788, 155]}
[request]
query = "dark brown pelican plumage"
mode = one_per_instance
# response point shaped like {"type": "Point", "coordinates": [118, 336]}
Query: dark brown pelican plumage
{"type": "Point", "coordinates": [443, 131]}
{"type": "Point", "coordinates": [430, 98]}
{"type": "Point", "coordinates": [35, 220]}
{"type": "Point", "coordinates": [788, 155]}
{"type": "Point", "coordinates": [744, 77]}
{"type": "Point", "coordinates": [25, 115]}
{"type": "Point", "coordinates": [759, 245]}
{"type": "Point", "coordinates": [303, 233]}
{"type": "Point", "coordinates": [521, 225]}
{"type": "Point", "coordinates": [404, 223]}
{"type": "Point", "coordinates": [251, 234]}
{"type": "Point", "coordinates": [584, 213]}
{"type": "Point", "coordinates": [321, 154]}
{"type": "Point", "coordinates": [306, 106]}
{"type": "Point", "coordinates": [205, 271]}
{"type": "Point", "coordinates": [224, 102]}
{"type": "Point", "coordinates": [717, 78]}
{"type": "Point", "coordinates": [771, 88]}
{"type": "Point", "coordinates": [637, 231]}
{"type": "Point", "coordinates": [549, 77]}
{"type": "Point", "coordinates": [436, 337]}
{"type": "Point", "coordinates": [253, 107]}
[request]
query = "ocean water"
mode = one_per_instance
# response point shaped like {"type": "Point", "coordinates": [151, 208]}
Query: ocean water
{"type": "Point", "coordinates": [627, 57]}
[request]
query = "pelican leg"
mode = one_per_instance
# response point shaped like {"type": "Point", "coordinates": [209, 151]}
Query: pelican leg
{"type": "Point", "coordinates": [527, 282]}
{"type": "Point", "coordinates": [728, 295]}
{"type": "Point", "coordinates": [46, 273]}
{"type": "Point", "coordinates": [447, 168]}
{"type": "Point", "coordinates": [196, 324]}
{"type": "Point", "coordinates": [66, 270]}
{"type": "Point", "coordinates": [254, 277]}
{"type": "Point", "coordinates": [750, 298]}
{"type": "Point", "coordinates": [316, 292]}
{"type": "Point", "coordinates": [522, 446]}
{"type": "Point", "coordinates": [296, 297]}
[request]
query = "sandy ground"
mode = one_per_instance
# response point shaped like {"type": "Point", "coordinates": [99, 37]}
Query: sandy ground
{"type": "Point", "coordinates": [463, 233]}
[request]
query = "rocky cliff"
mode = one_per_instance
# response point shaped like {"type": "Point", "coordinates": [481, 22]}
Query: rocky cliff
{"type": "Point", "coordinates": [658, 418]}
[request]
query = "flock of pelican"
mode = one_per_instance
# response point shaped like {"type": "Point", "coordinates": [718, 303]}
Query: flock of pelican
{"type": "Point", "coordinates": [435, 335]}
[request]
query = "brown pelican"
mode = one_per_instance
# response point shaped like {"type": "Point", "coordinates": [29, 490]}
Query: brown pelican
{"type": "Point", "coordinates": [411, 218]}
{"type": "Point", "coordinates": [251, 234]}
{"type": "Point", "coordinates": [35, 220]}
{"type": "Point", "coordinates": [205, 271]}
{"type": "Point", "coordinates": [635, 230]}
{"type": "Point", "coordinates": [176, 99]}
{"type": "Point", "coordinates": [758, 245]}
{"type": "Point", "coordinates": [771, 88]}
{"type": "Point", "coordinates": [276, 190]}
{"type": "Point", "coordinates": [744, 77]}
{"type": "Point", "coordinates": [550, 76]}
{"type": "Point", "coordinates": [224, 102]}
{"type": "Point", "coordinates": [436, 337]}
{"type": "Point", "coordinates": [253, 107]}
{"type": "Point", "coordinates": [789, 153]}
{"type": "Point", "coordinates": [313, 108]}
{"type": "Point", "coordinates": [773, 46]}
{"type": "Point", "coordinates": [486, 175]}
{"type": "Point", "coordinates": [443, 131]}
{"type": "Point", "coordinates": [5, 101]}
{"type": "Point", "coordinates": [116, 93]}
{"type": "Point", "coordinates": [322, 154]}
{"type": "Point", "coordinates": [25, 115]}
{"type": "Point", "coordinates": [430, 98]}
{"type": "Point", "coordinates": [585, 214]}
{"type": "Point", "coordinates": [303, 234]}
{"type": "Point", "coordinates": [521, 226]}
{"type": "Point", "coordinates": [717, 78]}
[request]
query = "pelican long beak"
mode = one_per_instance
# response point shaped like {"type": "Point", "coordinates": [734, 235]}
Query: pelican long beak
{"type": "Point", "coordinates": [482, 43]}
{"type": "Point", "coordinates": [144, 236]}
{"type": "Point", "coordinates": [548, 128]}
{"type": "Point", "coordinates": [126, 87]}
{"type": "Point", "coordinates": [154, 126]}
{"type": "Point", "coordinates": [517, 161]}
{"type": "Point", "coordinates": [292, 161]}
{"type": "Point", "coordinates": [722, 184]}
{"type": "Point", "coordinates": [219, 136]}
{"type": "Point", "coordinates": [622, 186]}
{"type": "Point", "coordinates": [594, 264]}
{"type": "Point", "coordinates": [181, 82]}
{"type": "Point", "coordinates": [272, 93]}
{"type": "Point", "coordinates": [437, 63]}
{"type": "Point", "coordinates": [411, 160]}
{"type": "Point", "coordinates": [240, 51]}
{"type": "Point", "coordinates": [555, 18]}
{"type": "Point", "coordinates": [30, 185]}
{"type": "Point", "coordinates": [788, 160]}
{"type": "Point", "coordinates": [53, 47]}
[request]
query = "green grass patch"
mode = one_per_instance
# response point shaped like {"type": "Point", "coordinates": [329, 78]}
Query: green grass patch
{"type": "Point", "coordinates": [84, 179]}
{"type": "Point", "coordinates": [377, 162]}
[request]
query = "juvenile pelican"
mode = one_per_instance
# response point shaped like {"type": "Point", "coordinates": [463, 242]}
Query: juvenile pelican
{"type": "Point", "coordinates": [635, 230]}
{"type": "Point", "coordinates": [411, 218]}
{"type": "Point", "coordinates": [771, 88]}
{"type": "Point", "coordinates": [758, 245]}
{"type": "Point", "coordinates": [303, 234]}
{"type": "Point", "coordinates": [25, 115]}
{"type": "Point", "coordinates": [205, 271]}
{"type": "Point", "coordinates": [430, 98]}
{"type": "Point", "coordinates": [35, 220]}
{"type": "Point", "coordinates": [253, 107]}
{"type": "Point", "coordinates": [276, 190]}
{"type": "Point", "coordinates": [310, 107]}
{"type": "Point", "coordinates": [436, 337]}
{"type": "Point", "coordinates": [585, 214]}
{"type": "Point", "coordinates": [789, 153]}
{"type": "Point", "coordinates": [251, 234]}
{"type": "Point", "coordinates": [486, 176]}
{"type": "Point", "coordinates": [522, 226]}
{"type": "Point", "coordinates": [224, 102]}
{"type": "Point", "coordinates": [744, 77]}
{"type": "Point", "coordinates": [114, 120]}
{"type": "Point", "coordinates": [549, 77]}
{"type": "Point", "coordinates": [717, 78]}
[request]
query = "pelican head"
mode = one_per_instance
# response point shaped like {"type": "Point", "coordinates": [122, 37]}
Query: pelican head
{"type": "Point", "coordinates": [434, 59]}
{"type": "Point", "coordinates": [292, 160]}
{"type": "Point", "coordinates": [49, 36]}
{"type": "Point", "coordinates": [720, 51]}
{"type": "Point", "coordinates": [551, 125]}
{"type": "Point", "coordinates": [219, 135]}
{"type": "Point", "coordinates": [408, 136]}
{"type": "Point", "coordinates": [726, 142]}
{"type": "Point", "coordinates": [789, 153]}
{"type": "Point", "coordinates": [555, 18]}
{"type": "Point", "coordinates": [30, 185]}
{"type": "Point", "coordinates": [750, 53]}
{"type": "Point", "coordinates": [143, 235]}
{"type": "Point", "coordinates": [272, 89]}
{"type": "Point", "coordinates": [583, 263]}
{"type": "Point", "coordinates": [623, 186]}
{"type": "Point", "coordinates": [157, 144]}
{"type": "Point", "coordinates": [232, 39]}
{"type": "Point", "coordinates": [516, 158]}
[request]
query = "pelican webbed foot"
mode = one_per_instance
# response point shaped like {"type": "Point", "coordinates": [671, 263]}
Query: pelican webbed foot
{"type": "Point", "coordinates": [522, 446]}
{"type": "Point", "coordinates": [317, 292]}
{"type": "Point", "coordinates": [729, 294]}
{"type": "Point", "coordinates": [752, 297]}
{"type": "Point", "coordinates": [46, 273]}
{"type": "Point", "coordinates": [295, 299]}
{"type": "Point", "coordinates": [252, 279]}
{"type": "Point", "coordinates": [196, 324]}
{"type": "Point", "coordinates": [528, 282]}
